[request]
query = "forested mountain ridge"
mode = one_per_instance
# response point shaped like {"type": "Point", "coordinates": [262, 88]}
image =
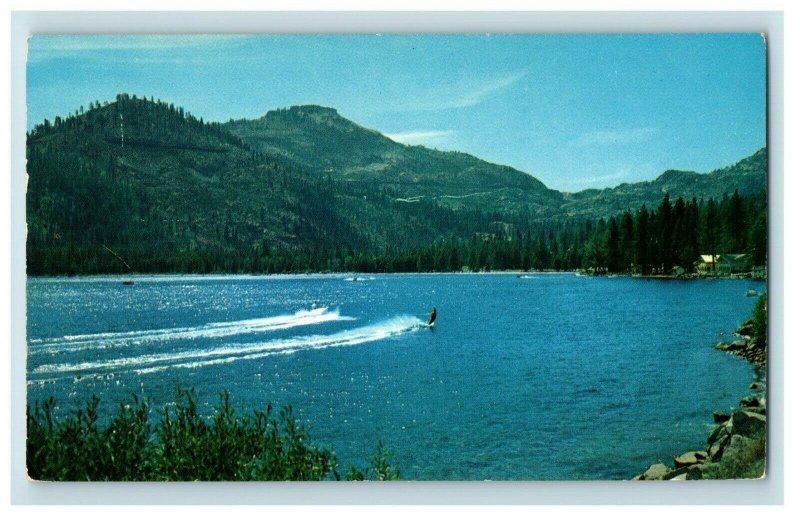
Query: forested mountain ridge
{"type": "Point", "coordinates": [171, 192]}
{"type": "Point", "coordinates": [318, 138]}
{"type": "Point", "coordinates": [748, 176]}
{"type": "Point", "coordinates": [299, 189]}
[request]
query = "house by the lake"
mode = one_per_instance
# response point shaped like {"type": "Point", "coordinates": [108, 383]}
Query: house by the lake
{"type": "Point", "coordinates": [724, 263]}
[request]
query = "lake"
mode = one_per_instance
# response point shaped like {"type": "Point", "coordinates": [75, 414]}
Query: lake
{"type": "Point", "coordinates": [544, 376]}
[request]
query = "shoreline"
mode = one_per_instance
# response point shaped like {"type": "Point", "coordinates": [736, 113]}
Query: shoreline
{"type": "Point", "coordinates": [519, 272]}
{"type": "Point", "coordinates": [736, 447]}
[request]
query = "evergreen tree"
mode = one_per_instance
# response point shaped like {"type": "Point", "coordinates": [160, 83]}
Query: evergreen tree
{"type": "Point", "coordinates": [627, 241]}
{"type": "Point", "coordinates": [664, 235]}
{"type": "Point", "coordinates": [711, 230]}
{"type": "Point", "coordinates": [612, 247]}
{"type": "Point", "coordinates": [735, 230]}
{"type": "Point", "coordinates": [642, 241]}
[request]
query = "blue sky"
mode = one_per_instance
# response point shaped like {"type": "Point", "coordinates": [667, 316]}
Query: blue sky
{"type": "Point", "coordinates": [576, 111]}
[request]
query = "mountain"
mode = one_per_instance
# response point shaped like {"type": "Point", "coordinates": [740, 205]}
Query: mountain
{"type": "Point", "coordinates": [318, 138]}
{"type": "Point", "coordinates": [748, 176]}
{"type": "Point", "coordinates": [141, 183]}
{"type": "Point", "coordinates": [170, 192]}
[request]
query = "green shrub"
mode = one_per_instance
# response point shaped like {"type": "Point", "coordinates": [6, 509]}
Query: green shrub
{"type": "Point", "coordinates": [180, 445]}
{"type": "Point", "coordinates": [378, 469]}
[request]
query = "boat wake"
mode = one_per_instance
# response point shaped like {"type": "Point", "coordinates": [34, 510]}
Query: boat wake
{"type": "Point", "coordinates": [211, 330]}
{"type": "Point", "coordinates": [228, 353]}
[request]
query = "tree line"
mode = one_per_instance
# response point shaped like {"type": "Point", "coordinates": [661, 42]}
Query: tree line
{"type": "Point", "coordinates": [641, 242]}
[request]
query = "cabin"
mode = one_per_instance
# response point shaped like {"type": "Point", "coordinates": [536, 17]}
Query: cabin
{"type": "Point", "coordinates": [724, 263]}
{"type": "Point", "coordinates": [706, 263]}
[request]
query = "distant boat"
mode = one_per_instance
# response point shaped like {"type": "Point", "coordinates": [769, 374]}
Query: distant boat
{"type": "Point", "coordinates": [118, 257]}
{"type": "Point", "coordinates": [751, 293]}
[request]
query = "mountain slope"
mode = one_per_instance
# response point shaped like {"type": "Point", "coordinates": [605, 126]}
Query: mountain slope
{"type": "Point", "coordinates": [748, 176]}
{"type": "Point", "coordinates": [318, 138]}
{"type": "Point", "coordinates": [170, 193]}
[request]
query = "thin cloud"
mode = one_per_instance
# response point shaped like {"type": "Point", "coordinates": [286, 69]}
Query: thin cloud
{"type": "Point", "coordinates": [591, 180]}
{"type": "Point", "coordinates": [461, 95]}
{"type": "Point", "coordinates": [482, 92]}
{"type": "Point", "coordinates": [43, 47]}
{"type": "Point", "coordinates": [615, 137]}
{"type": "Point", "coordinates": [422, 137]}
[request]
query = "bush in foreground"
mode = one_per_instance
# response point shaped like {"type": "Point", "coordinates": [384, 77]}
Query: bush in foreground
{"type": "Point", "coordinates": [181, 445]}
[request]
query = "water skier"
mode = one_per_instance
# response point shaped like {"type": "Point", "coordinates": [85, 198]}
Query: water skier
{"type": "Point", "coordinates": [432, 317]}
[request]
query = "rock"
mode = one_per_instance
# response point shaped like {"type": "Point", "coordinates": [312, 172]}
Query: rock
{"type": "Point", "coordinates": [655, 472]}
{"type": "Point", "coordinates": [695, 472]}
{"type": "Point", "coordinates": [718, 439]}
{"type": "Point", "coordinates": [720, 432]}
{"type": "Point", "coordinates": [737, 345]}
{"type": "Point", "coordinates": [747, 423]}
{"type": "Point", "coordinates": [716, 450]}
{"type": "Point", "coordinates": [738, 444]}
{"type": "Point", "coordinates": [757, 410]}
{"type": "Point", "coordinates": [682, 476]}
{"type": "Point", "coordinates": [746, 329]}
{"type": "Point", "coordinates": [674, 473]}
{"type": "Point", "coordinates": [690, 459]}
{"type": "Point", "coordinates": [750, 401]}
{"type": "Point", "coordinates": [742, 449]}
{"type": "Point", "coordinates": [721, 417]}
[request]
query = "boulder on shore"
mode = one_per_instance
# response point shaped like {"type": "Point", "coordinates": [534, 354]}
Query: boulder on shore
{"type": "Point", "coordinates": [745, 330]}
{"type": "Point", "coordinates": [719, 439]}
{"type": "Point", "coordinates": [717, 448]}
{"type": "Point", "coordinates": [737, 345]}
{"type": "Point", "coordinates": [657, 471]}
{"type": "Point", "coordinates": [721, 417]}
{"type": "Point", "coordinates": [747, 423]}
{"type": "Point", "coordinates": [750, 401]}
{"type": "Point", "coordinates": [695, 472]}
{"type": "Point", "coordinates": [720, 431]}
{"type": "Point", "coordinates": [690, 459]}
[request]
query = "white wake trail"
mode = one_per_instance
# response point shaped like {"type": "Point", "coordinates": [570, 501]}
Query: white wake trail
{"type": "Point", "coordinates": [71, 343]}
{"type": "Point", "coordinates": [145, 364]}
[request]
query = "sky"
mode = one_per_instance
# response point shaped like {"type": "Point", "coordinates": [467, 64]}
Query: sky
{"type": "Point", "coordinates": [575, 111]}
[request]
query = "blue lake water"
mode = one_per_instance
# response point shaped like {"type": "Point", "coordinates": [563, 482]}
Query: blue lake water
{"type": "Point", "coordinates": [548, 376]}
